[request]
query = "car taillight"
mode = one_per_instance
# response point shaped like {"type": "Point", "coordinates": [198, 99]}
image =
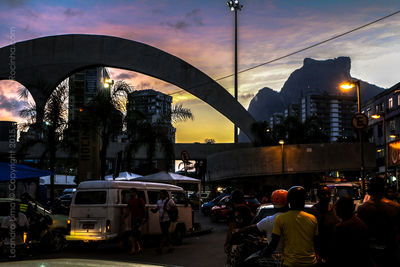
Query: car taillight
{"type": "Point", "coordinates": [108, 226]}
{"type": "Point", "coordinates": [247, 203]}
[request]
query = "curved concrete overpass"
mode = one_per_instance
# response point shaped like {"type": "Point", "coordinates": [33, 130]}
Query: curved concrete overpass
{"type": "Point", "coordinates": [304, 158]}
{"type": "Point", "coordinates": [41, 64]}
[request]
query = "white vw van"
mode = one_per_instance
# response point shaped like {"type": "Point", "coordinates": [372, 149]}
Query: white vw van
{"type": "Point", "coordinates": [97, 209]}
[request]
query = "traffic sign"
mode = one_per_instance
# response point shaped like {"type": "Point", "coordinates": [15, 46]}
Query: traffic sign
{"type": "Point", "coordinates": [359, 121]}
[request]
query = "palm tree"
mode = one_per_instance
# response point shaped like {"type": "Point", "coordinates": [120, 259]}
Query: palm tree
{"type": "Point", "coordinates": [153, 135]}
{"type": "Point", "coordinates": [49, 134]}
{"type": "Point", "coordinates": [106, 117]}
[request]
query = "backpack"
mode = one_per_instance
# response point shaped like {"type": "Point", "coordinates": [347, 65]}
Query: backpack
{"type": "Point", "coordinates": [173, 213]}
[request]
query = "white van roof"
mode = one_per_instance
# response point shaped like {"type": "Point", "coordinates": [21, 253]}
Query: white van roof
{"type": "Point", "coordinates": [97, 184]}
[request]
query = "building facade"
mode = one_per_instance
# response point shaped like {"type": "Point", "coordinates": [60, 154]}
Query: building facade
{"type": "Point", "coordinates": [383, 112]}
{"type": "Point", "coordinates": [335, 112]}
{"type": "Point", "coordinates": [83, 86]}
{"type": "Point", "coordinates": [155, 106]}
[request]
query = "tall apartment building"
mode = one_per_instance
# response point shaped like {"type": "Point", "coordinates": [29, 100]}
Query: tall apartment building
{"type": "Point", "coordinates": [276, 119]}
{"type": "Point", "coordinates": [83, 86]}
{"type": "Point", "coordinates": [335, 111]}
{"type": "Point", "coordinates": [155, 105]}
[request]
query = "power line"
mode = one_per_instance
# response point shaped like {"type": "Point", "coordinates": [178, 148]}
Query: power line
{"type": "Point", "coordinates": [300, 50]}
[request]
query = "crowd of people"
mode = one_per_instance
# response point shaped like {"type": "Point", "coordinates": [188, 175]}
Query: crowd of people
{"type": "Point", "coordinates": [330, 234]}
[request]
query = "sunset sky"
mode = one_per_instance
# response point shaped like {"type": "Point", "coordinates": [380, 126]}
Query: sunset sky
{"type": "Point", "coordinates": [201, 33]}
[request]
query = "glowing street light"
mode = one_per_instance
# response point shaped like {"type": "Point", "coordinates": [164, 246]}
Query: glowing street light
{"type": "Point", "coordinates": [393, 136]}
{"type": "Point", "coordinates": [347, 86]}
{"type": "Point", "coordinates": [281, 142]}
{"type": "Point", "coordinates": [234, 6]}
{"type": "Point", "coordinates": [376, 117]}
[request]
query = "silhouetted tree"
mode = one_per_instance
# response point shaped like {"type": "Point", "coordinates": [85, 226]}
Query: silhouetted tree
{"type": "Point", "coordinates": [50, 133]}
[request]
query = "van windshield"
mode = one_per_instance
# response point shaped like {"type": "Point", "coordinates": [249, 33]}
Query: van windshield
{"type": "Point", "coordinates": [91, 197]}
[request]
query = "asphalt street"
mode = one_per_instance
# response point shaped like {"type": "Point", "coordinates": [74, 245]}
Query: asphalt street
{"type": "Point", "coordinates": [196, 251]}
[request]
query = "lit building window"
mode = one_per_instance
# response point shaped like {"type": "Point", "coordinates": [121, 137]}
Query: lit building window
{"type": "Point", "coordinates": [398, 99]}
{"type": "Point", "coordinates": [390, 105]}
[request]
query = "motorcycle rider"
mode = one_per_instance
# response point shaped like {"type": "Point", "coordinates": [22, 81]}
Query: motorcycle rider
{"type": "Point", "coordinates": [240, 216]}
{"type": "Point", "coordinates": [15, 224]}
{"type": "Point", "coordinates": [298, 230]}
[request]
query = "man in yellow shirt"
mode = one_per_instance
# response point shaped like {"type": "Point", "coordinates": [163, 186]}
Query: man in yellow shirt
{"type": "Point", "coordinates": [298, 230]}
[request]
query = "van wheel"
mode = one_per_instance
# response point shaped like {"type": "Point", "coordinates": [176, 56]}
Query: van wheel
{"type": "Point", "coordinates": [178, 235]}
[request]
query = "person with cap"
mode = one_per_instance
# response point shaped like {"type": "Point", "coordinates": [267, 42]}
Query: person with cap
{"type": "Point", "coordinates": [327, 220]}
{"type": "Point", "coordinates": [298, 230]}
{"type": "Point", "coordinates": [137, 212]}
{"type": "Point", "coordinates": [382, 217]}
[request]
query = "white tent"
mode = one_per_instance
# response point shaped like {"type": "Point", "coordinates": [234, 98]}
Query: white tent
{"type": "Point", "coordinates": [123, 176]}
{"type": "Point", "coordinates": [170, 178]}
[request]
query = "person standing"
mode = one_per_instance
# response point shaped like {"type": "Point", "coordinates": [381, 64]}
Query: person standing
{"type": "Point", "coordinates": [165, 205]}
{"type": "Point", "coordinates": [298, 230]}
{"type": "Point", "coordinates": [382, 217]}
{"type": "Point", "coordinates": [137, 212]}
{"type": "Point", "coordinates": [350, 237]}
{"type": "Point", "coordinates": [14, 226]}
{"type": "Point", "coordinates": [327, 220]}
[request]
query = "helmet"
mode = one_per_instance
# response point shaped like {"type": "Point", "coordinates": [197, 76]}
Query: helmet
{"type": "Point", "coordinates": [296, 194]}
{"type": "Point", "coordinates": [279, 198]}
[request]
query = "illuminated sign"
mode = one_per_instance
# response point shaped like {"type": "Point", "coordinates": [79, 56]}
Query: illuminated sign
{"type": "Point", "coordinates": [394, 153]}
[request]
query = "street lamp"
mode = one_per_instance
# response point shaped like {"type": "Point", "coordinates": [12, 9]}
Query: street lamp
{"type": "Point", "coordinates": [235, 6]}
{"type": "Point", "coordinates": [376, 117]}
{"type": "Point", "coordinates": [347, 86]}
{"type": "Point", "coordinates": [282, 142]}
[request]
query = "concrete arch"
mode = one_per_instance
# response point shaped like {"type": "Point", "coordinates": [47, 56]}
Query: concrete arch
{"type": "Point", "coordinates": [42, 63]}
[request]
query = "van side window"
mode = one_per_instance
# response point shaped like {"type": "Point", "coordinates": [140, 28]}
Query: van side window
{"type": "Point", "coordinates": [179, 197]}
{"type": "Point", "coordinates": [91, 197]}
{"type": "Point", "coordinates": [125, 196]}
{"type": "Point", "coordinates": [154, 196]}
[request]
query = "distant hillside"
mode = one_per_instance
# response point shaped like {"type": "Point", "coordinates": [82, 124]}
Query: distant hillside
{"type": "Point", "coordinates": [314, 76]}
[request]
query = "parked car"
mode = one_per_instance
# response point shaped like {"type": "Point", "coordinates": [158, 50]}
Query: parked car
{"type": "Point", "coordinates": [269, 210]}
{"type": "Point", "coordinates": [221, 210]}
{"type": "Point", "coordinates": [206, 207]}
{"type": "Point", "coordinates": [205, 196]}
{"type": "Point", "coordinates": [66, 199]}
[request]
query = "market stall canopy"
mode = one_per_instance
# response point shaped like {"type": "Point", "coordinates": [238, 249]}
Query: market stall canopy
{"type": "Point", "coordinates": [18, 171]}
{"type": "Point", "coordinates": [168, 177]}
{"type": "Point", "coordinates": [123, 176]}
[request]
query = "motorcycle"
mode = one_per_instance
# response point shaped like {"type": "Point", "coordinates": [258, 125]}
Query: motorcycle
{"type": "Point", "coordinates": [242, 246]}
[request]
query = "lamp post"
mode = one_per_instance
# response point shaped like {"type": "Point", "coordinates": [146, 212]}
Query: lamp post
{"type": "Point", "coordinates": [346, 86]}
{"type": "Point", "coordinates": [375, 117]}
{"type": "Point", "coordinates": [282, 142]}
{"type": "Point", "coordinates": [235, 6]}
